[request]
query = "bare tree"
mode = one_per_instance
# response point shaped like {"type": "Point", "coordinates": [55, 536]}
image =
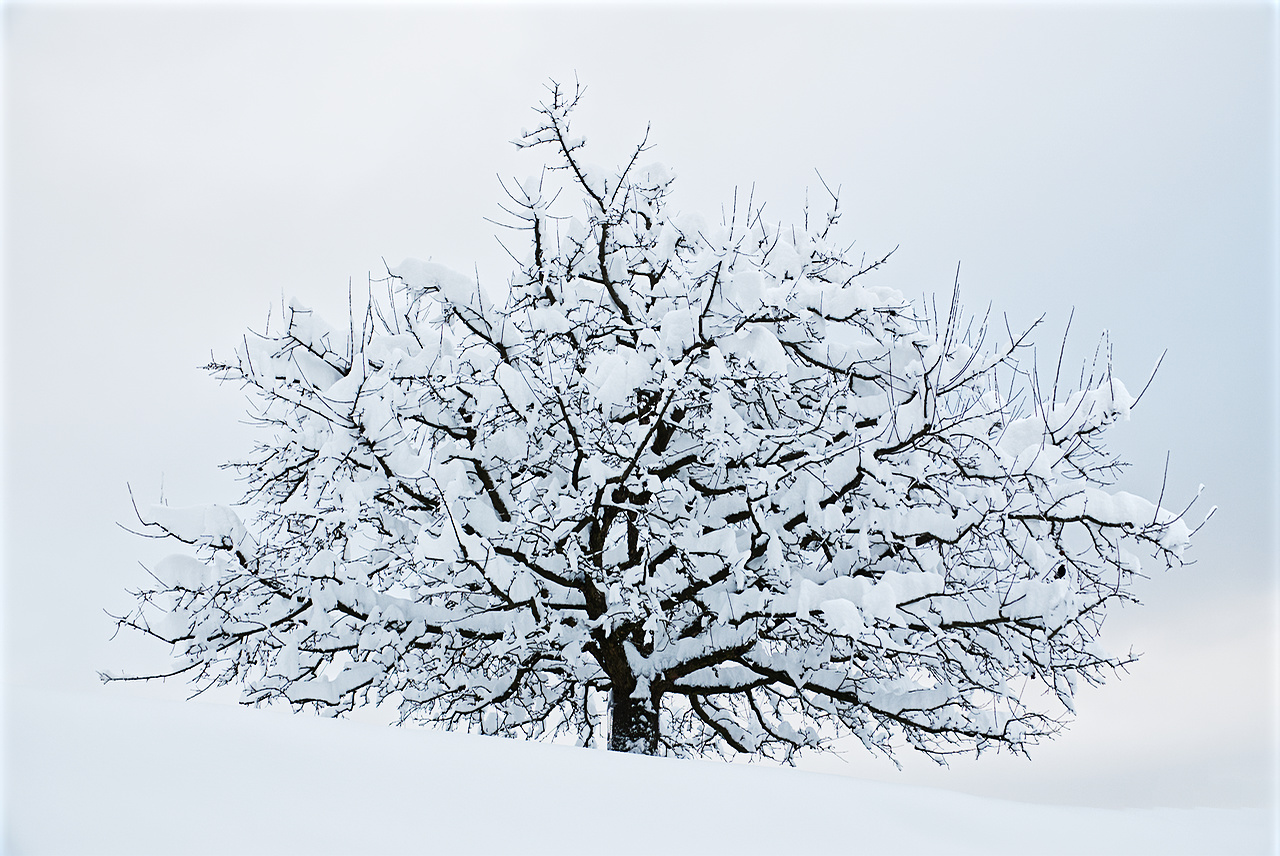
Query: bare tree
{"type": "Point", "coordinates": [696, 486]}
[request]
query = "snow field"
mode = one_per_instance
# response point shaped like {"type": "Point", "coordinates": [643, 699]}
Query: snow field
{"type": "Point", "coordinates": [108, 772]}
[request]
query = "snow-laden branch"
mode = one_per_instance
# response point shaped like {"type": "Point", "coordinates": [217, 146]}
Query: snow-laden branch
{"type": "Point", "coordinates": [700, 486]}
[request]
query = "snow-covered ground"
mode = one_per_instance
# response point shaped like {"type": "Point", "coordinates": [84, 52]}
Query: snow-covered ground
{"type": "Point", "coordinates": [111, 773]}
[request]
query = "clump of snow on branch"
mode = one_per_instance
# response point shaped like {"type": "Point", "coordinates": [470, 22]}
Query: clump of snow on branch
{"type": "Point", "coordinates": [693, 486]}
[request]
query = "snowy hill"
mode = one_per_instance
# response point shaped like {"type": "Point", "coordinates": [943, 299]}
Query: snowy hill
{"type": "Point", "coordinates": [107, 773]}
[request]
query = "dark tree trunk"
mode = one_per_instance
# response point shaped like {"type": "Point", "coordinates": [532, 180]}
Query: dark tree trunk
{"type": "Point", "coordinates": [633, 724]}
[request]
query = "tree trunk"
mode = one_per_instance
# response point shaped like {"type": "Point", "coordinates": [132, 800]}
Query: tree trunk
{"type": "Point", "coordinates": [633, 724]}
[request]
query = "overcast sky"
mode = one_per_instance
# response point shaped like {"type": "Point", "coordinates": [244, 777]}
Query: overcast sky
{"type": "Point", "coordinates": [171, 173]}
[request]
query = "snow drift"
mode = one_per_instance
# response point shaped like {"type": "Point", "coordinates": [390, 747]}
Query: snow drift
{"type": "Point", "coordinates": [109, 773]}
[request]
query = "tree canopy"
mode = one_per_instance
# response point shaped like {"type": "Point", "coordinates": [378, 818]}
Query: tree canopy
{"type": "Point", "coordinates": [687, 486]}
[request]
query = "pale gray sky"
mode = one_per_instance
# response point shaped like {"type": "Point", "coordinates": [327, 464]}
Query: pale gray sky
{"type": "Point", "coordinates": [171, 171]}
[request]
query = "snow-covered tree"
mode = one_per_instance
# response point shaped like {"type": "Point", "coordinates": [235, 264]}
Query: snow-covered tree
{"type": "Point", "coordinates": [688, 486]}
